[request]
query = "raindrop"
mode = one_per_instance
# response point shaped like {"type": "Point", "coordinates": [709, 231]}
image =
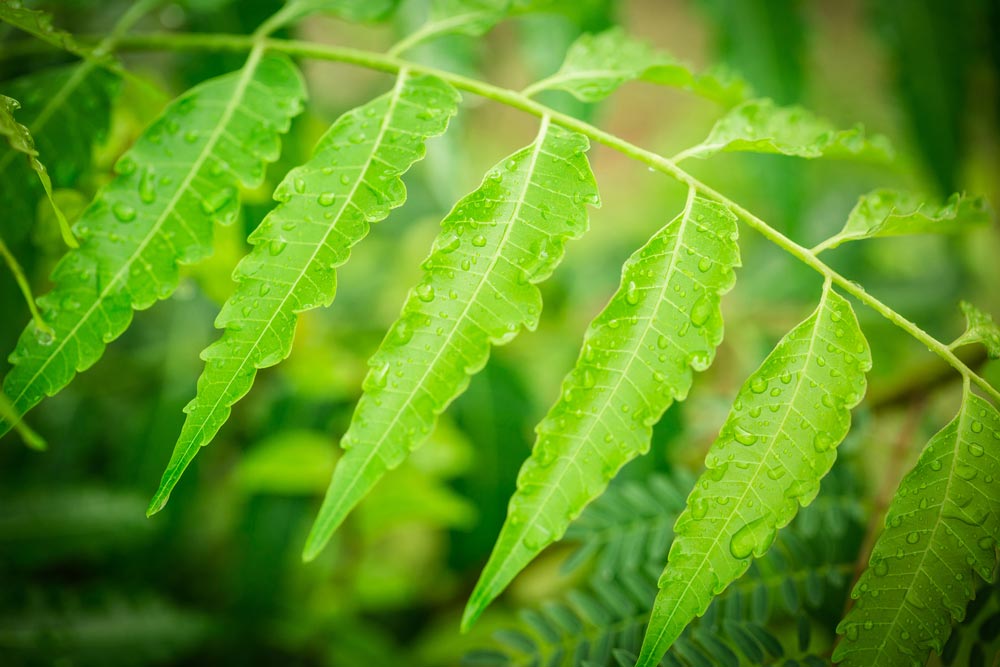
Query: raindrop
{"type": "Point", "coordinates": [123, 212]}
{"type": "Point", "coordinates": [276, 246]}
{"type": "Point", "coordinates": [425, 292]}
{"type": "Point", "coordinates": [631, 293]}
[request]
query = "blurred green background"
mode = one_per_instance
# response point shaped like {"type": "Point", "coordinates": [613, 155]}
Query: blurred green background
{"type": "Point", "coordinates": [216, 578]}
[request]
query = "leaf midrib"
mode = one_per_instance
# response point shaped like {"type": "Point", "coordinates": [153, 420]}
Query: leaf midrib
{"type": "Point", "coordinates": [529, 174]}
{"type": "Point", "coordinates": [939, 511]}
{"type": "Point", "coordinates": [395, 95]}
{"type": "Point", "coordinates": [584, 438]}
{"type": "Point", "coordinates": [715, 544]}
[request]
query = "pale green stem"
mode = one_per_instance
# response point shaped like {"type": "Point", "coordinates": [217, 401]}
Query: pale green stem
{"type": "Point", "coordinates": [22, 283]}
{"type": "Point", "coordinates": [391, 64]}
{"type": "Point", "coordinates": [7, 413]}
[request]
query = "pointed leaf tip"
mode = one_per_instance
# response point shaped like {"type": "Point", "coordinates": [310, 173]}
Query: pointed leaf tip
{"type": "Point", "coordinates": [663, 323]}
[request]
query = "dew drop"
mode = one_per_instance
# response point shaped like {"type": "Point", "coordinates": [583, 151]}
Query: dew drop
{"type": "Point", "coordinates": [631, 293]}
{"type": "Point", "coordinates": [326, 199]}
{"type": "Point", "coordinates": [701, 310]}
{"type": "Point", "coordinates": [425, 292]}
{"type": "Point", "coordinates": [123, 212]}
{"type": "Point", "coordinates": [276, 246]}
{"type": "Point", "coordinates": [743, 436]}
{"type": "Point", "coordinates": [755, 538]}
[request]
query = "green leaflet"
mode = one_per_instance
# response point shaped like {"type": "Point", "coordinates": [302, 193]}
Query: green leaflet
{"type": "Point", "coordinates": [779, 441]}
{"type": "Point", "coordinates": [637, 358]}
{"type": "Point", "coordinates": [180, 176]}
{"type": "Point", "coordinates": [897, 213]}
{"type": "Point", "coordinates": [456, 17]}
{"type": "Point", "coordinates": [326, 207]}
{"type": "Point", "coordinates": [478, 290]}
{"type": "Point", "coordinates": [942, 527]}
{"type": "Point", "coordinates": [760, 126]}
{"type": "Point", "coordinates": [980, 328]}
{"type": "Point", "coordinates": [596, 65]}
{"type": "Point", "coordinates": [19, 139]}
{"type": "Point", "coordinates": [66, 110]}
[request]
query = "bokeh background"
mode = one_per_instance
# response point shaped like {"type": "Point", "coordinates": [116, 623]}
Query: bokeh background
{"type": "Point", "coordinates": [216, 578]}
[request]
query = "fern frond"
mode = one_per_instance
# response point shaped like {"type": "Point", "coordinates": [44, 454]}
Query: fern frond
{"type": "Point", "coordinates": [777, 444]}
{"type": "Point", "coordinates": [897, 213]}
{"type": "Point", "coordinates": [597, 625]}
{"type": "Point", "coordinates": [942, 529]}
{"type": "Point", "coordinates": [760, 126]}
{"type": "Point", "coordinates": [622, 535]}
{"type": "Point", "coordinates": [979, 328]}
{"type": "Point", "coordinates": [98, 628]}
{"type": "Point", "coordinates": [180, 177]}
{"type": "Point", "coordinates": [66, 110]}
{"type": "Point", "coordinates": [638, 357]}
{"type": "Point", "coordinates": [326, 207]}
{"type": "Point", "coordinates": [596, 65]}
{"type": "Point", "coordinates": [19, 139]}
{"type": "Point", "coordinates": [630, 524]}
{"type": "Point", "coordinates": [478, 290]}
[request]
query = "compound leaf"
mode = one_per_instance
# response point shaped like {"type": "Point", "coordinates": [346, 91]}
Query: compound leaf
{"type": "Point", "coordinates": [180, 176]}
{"type": "Point", "coordinates": [897, 213]}
{"type": "Point", "coordinates": [596, 65]}
{"type": "Point", "coordinates": [777, 444]}
{"type": "Point", "coordinates": [760, 126]}
{"type": "Point", "coordinates": [942, 527]}
{"type": "Point", "coordinates": [326, 207]}
{"type": "Point", "coordinates": [66, 110]}
{"type": "Point", "coordinates": [638, 357]}
{"type": "Point", "coordinates": [478, 290]}
{"type": "Point", "coordinates": [980, 328]}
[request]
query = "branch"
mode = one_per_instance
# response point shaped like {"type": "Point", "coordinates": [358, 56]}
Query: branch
{"type": "Point", "coordinates": [386, 63]}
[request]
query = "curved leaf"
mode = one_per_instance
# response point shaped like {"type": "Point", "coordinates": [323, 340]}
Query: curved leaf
{"type": "Point", "coordinates": [19, 139]}
{"type": "Point", "coordinates": [637, 359]}
{"type": "Point", "coordinates": [942, 527]}
{"type": "Point", "coordinates": [478, 290]}
{"type": "Point", "coordinates": [760, 126]}
{"type": "Point", "coordinates": [779, 441]}
{"type": "Point", "coordinates": [979, 328]}
{"type": "Point", "coordinates": [178, 178]}
{"type": "Point", "coordinates": [67, 111]}
{"type": "Point", "coordinates": [596, 65]}
{"type": "Point", "coordinates": [327, 205]}
{"type": "Point", "coordinates": [897, 213]}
